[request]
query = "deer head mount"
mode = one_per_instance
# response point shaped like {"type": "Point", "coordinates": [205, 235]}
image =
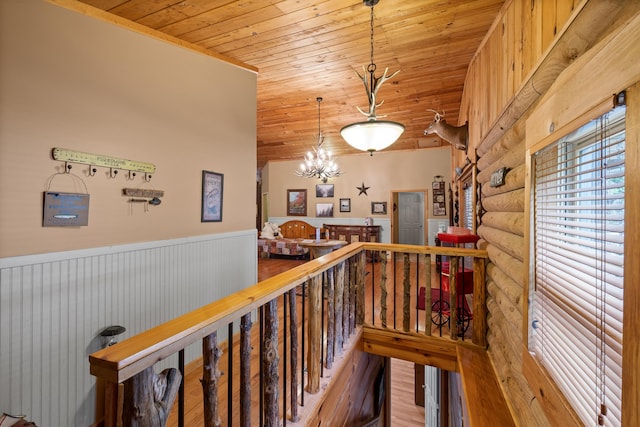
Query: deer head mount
{"type": "Point", "coordinates": [456, 136]}
{"type": "Point", "coordinates": [372, 88]}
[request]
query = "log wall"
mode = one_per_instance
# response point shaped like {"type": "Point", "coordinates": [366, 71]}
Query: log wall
{"type": "Point", "coordinates": [527, 49]}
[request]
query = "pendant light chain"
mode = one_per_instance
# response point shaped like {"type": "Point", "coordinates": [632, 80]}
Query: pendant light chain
{"type": "Point", "coordinates": [320, 139]}
{"type": "Point", "coordinates": [372, 65]}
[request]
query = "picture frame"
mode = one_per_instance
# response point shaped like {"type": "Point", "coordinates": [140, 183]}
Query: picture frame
{"type": "Point", "coordinates": [324, 210]}
{"type": "Point", "coordinates": [297, 202]}
{"type": "Point", "coordinates": [324, 190]}
{"type": "Point", "coordinates": [212, 196]}
{"type": "Point", "coordinates": [345, 205]}
{"type": "Point", "coordinates": [378, 208]}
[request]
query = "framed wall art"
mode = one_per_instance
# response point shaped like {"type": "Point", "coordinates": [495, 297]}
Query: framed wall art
{"type": "Point", "coordinates": [439, 198]}
{"type": "Point", "coordinates": [297, 202]}
{"type": "Point", "coordinates": [378, 208]}
{"type": "Point", "coordinates": [324, 190]}
{"type": "Point", "coordinates": [324, 210]}
{"type": "Point", "coordinates": [212, 187]}
{"type": "Point", "coordinates": [345, 205]}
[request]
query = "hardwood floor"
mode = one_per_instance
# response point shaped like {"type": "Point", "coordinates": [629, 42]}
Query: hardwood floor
{"type": "Point", "coordinates": [404, 413]}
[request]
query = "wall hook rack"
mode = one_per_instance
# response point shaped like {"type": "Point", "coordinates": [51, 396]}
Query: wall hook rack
{"type": "Point", "coordinates": [97, 160]}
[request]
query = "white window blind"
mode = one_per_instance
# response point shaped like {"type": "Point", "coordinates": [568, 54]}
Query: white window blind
{"type": "Point", "coordinates": [467, 212]}
{"type": "Point", "coordinates": [578, 247]}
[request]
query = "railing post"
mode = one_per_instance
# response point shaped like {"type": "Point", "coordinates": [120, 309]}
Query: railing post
{"type": "Point", "coordinates": [331, 318]}
{"type": "Point", "coordinates": [406, 294]}
{"type": "Point", "coordinates": [358, 295]}
{"type": "Point", "coordinates": [315, 335]}
{"type": "Point", "coordinates": [383, 289]}
{"type": "Point", "coordinates": [453, 297]}
{"type": "Point", "coordinates": [270, 367]}
{"type": "Point", "coordinates": [339, 305]}
{"type": "Point", "coordinates": [427, 294]}
{"type": "Point", "coordinates": [479, 336]}
{"type": "Point", "coordinates": [245, 370]}
{"type": "Point", "coordinates": [210, 376]}
{"type": "Point", "coordinates": [293, 328]}
{"type": "Point", "coordinates": [142, 407]}
{"type": "Point", "coordinates": [109, 402]}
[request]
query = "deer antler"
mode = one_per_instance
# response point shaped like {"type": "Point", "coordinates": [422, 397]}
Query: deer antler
{"type": "Point", "coordinates": [437, 116]}
{"type": "Point", "coordinates": [377, 82]}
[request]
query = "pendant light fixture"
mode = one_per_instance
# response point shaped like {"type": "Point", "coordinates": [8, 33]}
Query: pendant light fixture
{"type": "Point", "coordinates": [373, 134]}
{"type": "Point", "coordinates": [319, 164]}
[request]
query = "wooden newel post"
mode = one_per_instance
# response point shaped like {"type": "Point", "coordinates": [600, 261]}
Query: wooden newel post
{"type": "Point", "coordinates": [315, 335]}
{"type": "Point", "coordinates": [210, 377]}
{"type": "Point", "coordinates": [148, 397]}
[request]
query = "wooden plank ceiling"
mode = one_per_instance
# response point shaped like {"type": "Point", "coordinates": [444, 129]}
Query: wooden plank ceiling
{"type": "Point", "coordinates": [306, 49]}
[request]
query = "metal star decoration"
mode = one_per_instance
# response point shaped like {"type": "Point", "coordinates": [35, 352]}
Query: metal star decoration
{"type": "Point", "coordinates": [363, 189]}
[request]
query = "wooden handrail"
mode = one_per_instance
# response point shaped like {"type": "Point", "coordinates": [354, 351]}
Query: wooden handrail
{"type": "Point", "coordinates": [125, 359]}
{"type": "Point", "coordinates": [129, 358]}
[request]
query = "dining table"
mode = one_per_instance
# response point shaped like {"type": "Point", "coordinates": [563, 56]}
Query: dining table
{"type": "Point", "coordinates": [320, 247]}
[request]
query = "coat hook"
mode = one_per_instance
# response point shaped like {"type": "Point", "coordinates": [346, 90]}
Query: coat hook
{"type": "Point", "coordinates": [132, 176]}
{"type": "Point", "coordinates": [113, 173]}
{"type": "Point", "coordinates": [67, 167]}
{"type": "Point", "coordinates": [92, 171]}
{"type": "Point", "coordinates": [147, 177]}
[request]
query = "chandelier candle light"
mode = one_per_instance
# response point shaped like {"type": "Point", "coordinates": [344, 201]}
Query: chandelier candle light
{"type": "Point", "coordinates": [373, 134]}
{"type": "Point", "coordinates": [319, 164]}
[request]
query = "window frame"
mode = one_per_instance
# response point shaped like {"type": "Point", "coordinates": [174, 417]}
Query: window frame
{"type": "Point", "coordinates": [549, 396]}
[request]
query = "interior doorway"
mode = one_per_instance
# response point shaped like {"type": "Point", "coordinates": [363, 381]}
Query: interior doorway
{"type": "Point", "coordinates": [409, 218]}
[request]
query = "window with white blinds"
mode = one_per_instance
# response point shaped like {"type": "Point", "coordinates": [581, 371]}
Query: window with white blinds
{"type": "Point", "coordinates": [467, 206]}
{"type": "Point", "coordinates": [576, 305]}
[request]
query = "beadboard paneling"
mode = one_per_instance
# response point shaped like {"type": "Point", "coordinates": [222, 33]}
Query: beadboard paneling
{"type": "Point", "coordinates": [54, 306]}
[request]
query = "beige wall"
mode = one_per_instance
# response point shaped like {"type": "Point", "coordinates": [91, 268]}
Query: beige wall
{"type": "Point", "coordinates": [72, 81]}
{"type": "Point", "coordinates": [383, 172]}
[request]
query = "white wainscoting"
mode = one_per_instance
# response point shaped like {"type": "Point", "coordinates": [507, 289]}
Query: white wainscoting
{"type": "Point", "coordinates": [54, 306]}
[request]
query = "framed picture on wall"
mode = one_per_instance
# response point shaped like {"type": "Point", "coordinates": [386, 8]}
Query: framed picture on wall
{"type": "Point", "coordinates": [439, 198]}
{"type": "Point", "coordinates": [324, 210]}
{"type": "Point", "coordinates": [297, 202]}
{"type": "Point", "coordinates": [345, 205]}
{"type": "Point", "coordinates": [324, 190]}
{"type": "Point", "coordinates": [379, 208]}
{"type": "Point", "coordinates": [212, 186]}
